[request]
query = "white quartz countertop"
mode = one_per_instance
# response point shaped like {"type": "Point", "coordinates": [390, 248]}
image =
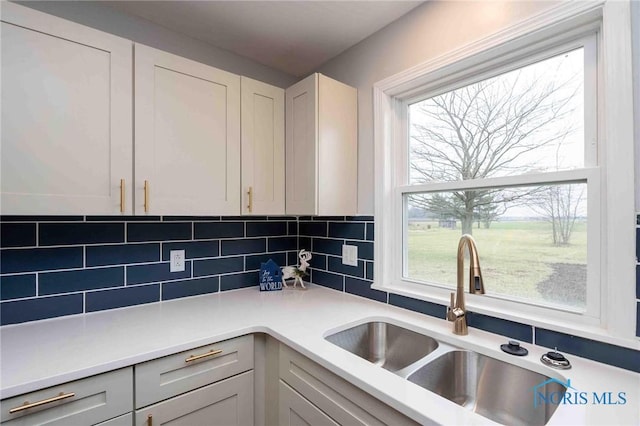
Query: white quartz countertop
{"type": "Point", "coordinates": [45, 353]}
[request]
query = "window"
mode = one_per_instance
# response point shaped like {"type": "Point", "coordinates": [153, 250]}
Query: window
{"type": "Point", "coordinates": [527, 145]}
{"type": "Point", "coordinates": [526, 123]}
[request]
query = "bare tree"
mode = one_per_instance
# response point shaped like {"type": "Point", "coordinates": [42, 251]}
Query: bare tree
{"type": "Point", "coordinates": [483, 130]}
{"type": "Point", "coordinates": [561, 206]}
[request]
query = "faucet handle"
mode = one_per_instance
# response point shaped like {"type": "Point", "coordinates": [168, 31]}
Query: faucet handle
{"type": "Point", "coordinates": [453, 312]}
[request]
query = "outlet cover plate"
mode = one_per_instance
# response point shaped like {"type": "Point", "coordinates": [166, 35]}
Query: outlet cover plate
{"type": "Point", "coordinates": [177, 260]}
{"type": "Point", "coordinates": [349, 255]}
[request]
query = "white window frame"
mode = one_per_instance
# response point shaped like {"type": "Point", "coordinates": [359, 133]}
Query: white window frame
{"type": "Point", "coordinates": [612, 182]}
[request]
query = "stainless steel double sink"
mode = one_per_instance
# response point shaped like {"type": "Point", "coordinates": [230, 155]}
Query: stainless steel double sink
{"type": "Point", "coordinates": [495, 389]}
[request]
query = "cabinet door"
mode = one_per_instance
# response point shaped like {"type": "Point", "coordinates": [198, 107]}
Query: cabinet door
{"type": "Point", "coordinates": [339, 399]}
{"type": "Point", "coordinates": [66, 116]}
{"type": "Point", "coordinates": [187, 129]}
{"type": "Point", "coordinates": [337, 148]}
{"type": "Point", "coordinates": [301, 141]}
{"type": "Point", "coordinates": [225, 403]}
{"type": "Point", "coordinates": [295, 410]}
{"type": "Point", "coordinates": [262, 148]}
{"type": "Point", "coordinates": [82, 402]}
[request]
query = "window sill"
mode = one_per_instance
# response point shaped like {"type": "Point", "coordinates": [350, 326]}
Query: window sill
{"type": "Point", "coordinates": [581, 330]}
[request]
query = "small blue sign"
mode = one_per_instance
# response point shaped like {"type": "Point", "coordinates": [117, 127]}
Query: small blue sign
{"type": "Point", "coordinates": [270, 276]}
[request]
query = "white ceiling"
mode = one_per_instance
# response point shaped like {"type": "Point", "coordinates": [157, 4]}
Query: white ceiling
{"type": "Point", "coordinates": [292, 36]}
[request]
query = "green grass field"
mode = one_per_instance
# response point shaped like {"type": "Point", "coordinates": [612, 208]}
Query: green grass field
{"type": "Point", "coordinates": [516, 257]}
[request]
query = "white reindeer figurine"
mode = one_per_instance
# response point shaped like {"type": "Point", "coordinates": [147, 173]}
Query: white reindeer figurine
{"type": "Point", "coordinates": [297, 272]}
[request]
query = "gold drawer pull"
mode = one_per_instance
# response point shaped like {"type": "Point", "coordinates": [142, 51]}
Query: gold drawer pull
{"type": "Point", "coordinates": [149, 420]}
{"type": "Point", "coordinates": [196, 357]}
{"type": "Point", "coordinates": [146, 196]}
{"type": "Point", "coordinates": [122, 189]}
{"type": "Point", "coordinates": [28, 405]}
{"type": "Point", "coordinates": [250, 194]}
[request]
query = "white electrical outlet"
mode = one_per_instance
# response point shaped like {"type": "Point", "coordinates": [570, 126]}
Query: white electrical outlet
{"type": "Point", "coordinates": [177, 260]}
{"type": "Point", "coordinates": [349, 255]}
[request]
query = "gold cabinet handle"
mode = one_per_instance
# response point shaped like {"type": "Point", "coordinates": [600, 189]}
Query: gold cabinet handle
{"type": "Point", "coordinates": [149, 420]}
{"type": "Point", "coordinates": [28, 405]}
{"type": "Point", "coordinates": [196, 357]}
{"type": "Point", "coordinates": [146, 196]}
{"type": "Point", "coordinates": [122, 189]}
{"type": "Point", "coordinates": [250, 193]}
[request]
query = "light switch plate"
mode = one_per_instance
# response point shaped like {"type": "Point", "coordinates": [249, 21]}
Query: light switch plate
{"type": "Point", "coordinates": [177, 260]}
{"type": "Point", "coordinates": [349, 255]}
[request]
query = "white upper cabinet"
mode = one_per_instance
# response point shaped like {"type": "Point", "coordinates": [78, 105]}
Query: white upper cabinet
{"type": "Point", "coordinates": [187, 136]}
{"type": "Point", "coordinates": [66, 117]}
{"type": "Point", "coordinates": [262, 148]}
{"type": "Point", "coordinates": [321, 147]}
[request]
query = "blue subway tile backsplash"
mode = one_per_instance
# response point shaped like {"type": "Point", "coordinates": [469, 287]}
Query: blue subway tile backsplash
{"type": "Point", "coordinates": [514, 330]}
{"type": "Point", "coordinates": [52, 266]}
{"type": "Point", "coordinates": [327, 246]}
{"type": "Point", "coordinates": [17, 286]}
{"type": "Point", "coordinates": [122, 297]}
{"type": "Point", "coordinates": [61, 265]}
{"type": "Point", "coordinates": [191, 287]}
{"type": "Point", "coordinates": [327, 279]}
{"type": "Point", "coordinates": [17, 234]}
{"type": "Point", "coordinates": [283, 243]}
{"type": "Point", "coordinates": [158, 231]}
{"type": "Point", "coordinates": [245, 246]}
{"type": "Point", "coordinates": [118, 254]}
{"type": "Point", "coordinates": [58, 234]}
{"type": "Point", "coordinates": [208, 230]}
{"type": "Point", "coordinates": [75, 281]}
{"type": "Point", "coordinates": [262, 229]}
{"type": "Point", "coordinates": [23, 310]}
{"type": "Point", "coordinates": [218, 266]}
{"type": "Point", "coordinates": [638, 318]}
{"type": "Point", "coordinates": [424, 307]}
{"type": "Point", "coordinates": [313, 229]}
{"type": "Point", "coordinates": [363, 288]}
{"type": "Point", "coordinates": [40, 259]}
{"type": "Point", "coordinates": [346, 230]}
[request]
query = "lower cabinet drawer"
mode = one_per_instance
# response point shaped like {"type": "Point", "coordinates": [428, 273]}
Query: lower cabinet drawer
{"type": "Point", "coordinates": [82, 402]}
{"type": "Point", "coordinates": [343, 402]}
{"type": "Point", "coordinates": [296, 410]}
{"type": "Point", "coordinates": [226, 403]}
{"type": "Point", "coordinates": [172, 375]}
{"type": "Point", "coordinates": [125, 420]}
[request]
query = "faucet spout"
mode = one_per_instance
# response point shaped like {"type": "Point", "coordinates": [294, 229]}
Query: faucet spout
{"type": "Point", "coordinates": [457, 310]}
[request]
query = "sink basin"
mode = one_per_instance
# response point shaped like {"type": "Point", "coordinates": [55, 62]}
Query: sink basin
{"type": "Point", "coordinates": [389, 346]}
{"type": "Point", "coordinates": [500, 391]}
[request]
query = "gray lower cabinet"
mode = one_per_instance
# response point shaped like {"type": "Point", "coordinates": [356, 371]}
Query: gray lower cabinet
{"type": "Point", "coordinates": [87, 401]}
{"type": "Point", "coordinates": [210, 385]}
{"type": "Point", "coordinates": [125, 420]}
{"type": "Point", "coordinates": [339, 400]}
{"type": "Point", "coordinates": [228, 402]}
{"type": "Point", "coordinates": [296, 410]}
{"type": "Point", "coordinates": [172, 375]}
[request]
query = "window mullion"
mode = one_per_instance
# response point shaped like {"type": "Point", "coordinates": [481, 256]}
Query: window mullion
{"type": "Point", "coordinates": [568, 176]}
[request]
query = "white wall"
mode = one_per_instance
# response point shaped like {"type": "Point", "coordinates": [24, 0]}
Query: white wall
{"type": "Point", "coordinates": [635, 41]}
{"type": "Point", "coordinates": [426, 32]}
{"type": "Point", "coordinates": [109, 20]}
